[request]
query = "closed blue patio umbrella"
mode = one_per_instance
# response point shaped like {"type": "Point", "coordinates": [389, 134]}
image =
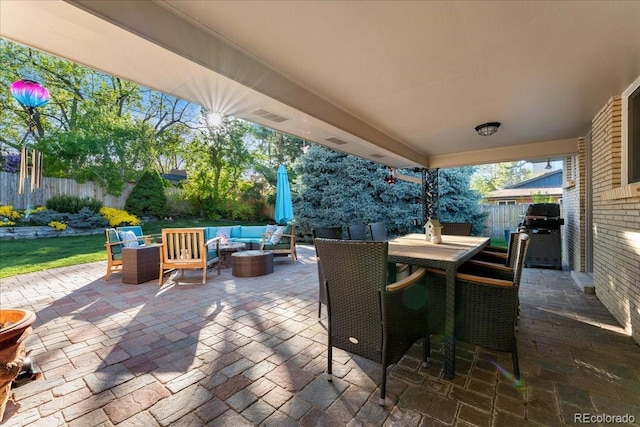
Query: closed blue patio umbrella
{"type": "Point", "coordinates": [284, 206]}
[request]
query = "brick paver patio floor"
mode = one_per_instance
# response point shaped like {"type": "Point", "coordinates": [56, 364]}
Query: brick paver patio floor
{"type": "Point", "coordinates": [250, 351]}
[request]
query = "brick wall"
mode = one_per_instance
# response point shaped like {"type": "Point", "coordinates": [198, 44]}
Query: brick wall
{"type": "Point", "coordinates": [616, 222]}
{"type": "Point", "coordinates": [573, 210]}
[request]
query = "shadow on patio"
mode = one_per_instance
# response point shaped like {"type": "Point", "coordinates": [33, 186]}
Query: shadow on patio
{"type": "Point", "coordinates": [250, 351]}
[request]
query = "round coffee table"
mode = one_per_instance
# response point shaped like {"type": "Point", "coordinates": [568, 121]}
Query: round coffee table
{"type": "Point", "coordinates": [252, 263]}
{"type": "Point", "coordinates": [226, 250]}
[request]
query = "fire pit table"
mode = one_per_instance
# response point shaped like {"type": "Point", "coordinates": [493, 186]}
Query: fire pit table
{"type": "Point", "coordinates": [226, 250]}
{"type": "Point", "coordinates": [252, 263]}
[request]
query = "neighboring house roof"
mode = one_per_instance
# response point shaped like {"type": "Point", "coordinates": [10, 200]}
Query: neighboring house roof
{"type": "Point", "coordinates": [175, 176]}
{"type": "Point", "coordinates": [547, 184]}
{"type": "Point", "coordinates": [547, 180]}
{"type": "Point", "coordinates": [514, 193]}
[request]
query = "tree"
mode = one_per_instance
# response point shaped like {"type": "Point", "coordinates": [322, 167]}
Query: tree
{"type": "Point", "coordinates": [216, 160]}
{"type": "Point", "coordinates": [172, 120]}
{"type": "Point", "coordinates": [458, 202]}
{"type": "Point", "coordinates": [272, 149]}
{"type": "Point", "coordinates": [96, 127]}
{"type": "Point", "coordinates": [493, 177]}
{"type": "Point", "coordinates": [147, 198]}
{"type": "Point", "coordinates": [105, 149]}
{"type": "Point", "coordinates": [337, 189]}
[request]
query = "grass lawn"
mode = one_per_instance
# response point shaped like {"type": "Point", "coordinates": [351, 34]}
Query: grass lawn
{"type": "Point", "coordinates": [499, 243]}
{"type": "Point", "coordinates": [29, 255]}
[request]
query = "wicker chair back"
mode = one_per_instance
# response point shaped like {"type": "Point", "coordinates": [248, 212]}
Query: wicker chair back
{"type": "Point", "coordinates": [457, 228]}
{"type": "Point", "coordinates": [357, 232]}
{"type": "Point", "coordinates": [486, 313]}
{"type": "Point", "coordinates": [512, 249]}
{"type": "Point", "coordinates": [364, 317]}
{"type": "Point", "coordinates": [378, 231]}
{"type": "Point", "coordinates": [324, 233]}
{"type": "Point", "coordinates": [327, 233]}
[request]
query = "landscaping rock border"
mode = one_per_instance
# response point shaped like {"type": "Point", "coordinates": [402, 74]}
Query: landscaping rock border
{"type": "Point", "coordinates": [16, 233]}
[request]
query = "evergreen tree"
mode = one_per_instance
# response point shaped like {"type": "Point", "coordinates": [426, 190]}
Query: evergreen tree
{"type": "Point", "coordinates": [458, 202]}
{"type": "Point", "coordinates": [147, 198]}
{"type": "Point", "coordinates": [337, 189]}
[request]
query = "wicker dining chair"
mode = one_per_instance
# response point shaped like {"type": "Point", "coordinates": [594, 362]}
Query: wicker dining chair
{"type": "Point", "coordinates": [378, 231]}
{"type": "Point", "coordinates": [498, 255]}
{"type": "Point", "coordinates": [486, 307]}
{"type": "Point", "coordinates": [456, 228]}
{"type": "Point", "coordinates": [357, 232]}
{"type": "Point", "coordinates": [500, 264]}
{"type": "Point", "coordinates": [324, 233]}
{"type": "Point", "coordinates": [366, 316]}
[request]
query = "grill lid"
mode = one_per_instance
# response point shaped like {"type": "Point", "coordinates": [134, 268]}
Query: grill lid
{"type": "Point", "coordinates": [549, 210]}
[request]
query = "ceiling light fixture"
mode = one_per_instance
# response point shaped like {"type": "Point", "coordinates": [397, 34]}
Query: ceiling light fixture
{"type": "Point", "coordinates": [548, 164]}
{"type": "Point", "coordinates": [487, 129]}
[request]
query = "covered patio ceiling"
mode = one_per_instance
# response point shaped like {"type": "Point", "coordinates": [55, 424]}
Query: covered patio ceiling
{"type": "Point", "coordinates": [399, 83]}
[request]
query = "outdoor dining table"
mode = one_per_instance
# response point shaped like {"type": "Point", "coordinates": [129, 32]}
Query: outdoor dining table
{"type": "Point", "coordinates": [454, 251]}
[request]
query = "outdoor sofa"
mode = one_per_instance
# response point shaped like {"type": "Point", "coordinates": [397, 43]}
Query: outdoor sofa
{"type": "Point", "coordinates": [280, 240]}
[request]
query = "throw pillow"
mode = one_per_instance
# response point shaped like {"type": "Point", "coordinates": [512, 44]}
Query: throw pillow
{"type": "Point", "coordinates": [277, 235]}
{"type": "Point", "coordinates": [271, 228]}
{"type": "Point", "coordinates": [224, 233]}
{"type": "Point", "coordinates": [128, 238]}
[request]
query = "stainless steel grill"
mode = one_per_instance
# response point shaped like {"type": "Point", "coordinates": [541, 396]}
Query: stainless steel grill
{"type": "Point", "coordinates": [542, 223]}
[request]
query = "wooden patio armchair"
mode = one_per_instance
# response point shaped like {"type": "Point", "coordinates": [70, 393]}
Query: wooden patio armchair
{"type": "Point", "coordinates": [143, 239]}
{"type": "Point", "coordinates": [185, 248]}
{"type": "Point", "coordinates": [286, 245]}
{"type": "Point", "coordinates": [114, 252]}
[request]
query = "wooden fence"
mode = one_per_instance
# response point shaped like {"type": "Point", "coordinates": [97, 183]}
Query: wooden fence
{"type": "Point", "coordinates": [501, 218]}
{"type": "Point", "coordinates": [54, 187]}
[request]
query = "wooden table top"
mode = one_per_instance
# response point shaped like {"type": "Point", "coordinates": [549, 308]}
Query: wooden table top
{"type": "Point", "coordinates": [452, 248]}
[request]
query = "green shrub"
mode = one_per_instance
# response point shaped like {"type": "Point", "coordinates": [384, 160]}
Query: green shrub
{"type": "Point", "coordinates": [117, 217]}
{"type": "Point", "coordinates": [176, 206]}
{"type": "Point", "coordinates": [87, 219]}
{"type": "Point", "coordinates": [240, 211]}
{"type": "Point", "coordinates": [147, 198]}
{"type": "Point", "coordinates": [72, 204]}
{"type": "Point", "coordinates": [9, 213]}
{"type": "Point", "coordinates": [46, 216]}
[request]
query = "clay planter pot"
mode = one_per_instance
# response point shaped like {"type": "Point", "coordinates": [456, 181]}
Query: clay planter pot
{"type": "Point", "coordinates": [15, 326]}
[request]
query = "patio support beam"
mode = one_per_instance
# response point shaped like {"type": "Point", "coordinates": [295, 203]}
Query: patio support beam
{"type": "Point", "coordinates": [535, 150]}
{"type": "Point", "coordinates": [430, 195]}
{"type": "Point", "coordinates": [159, 24]}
